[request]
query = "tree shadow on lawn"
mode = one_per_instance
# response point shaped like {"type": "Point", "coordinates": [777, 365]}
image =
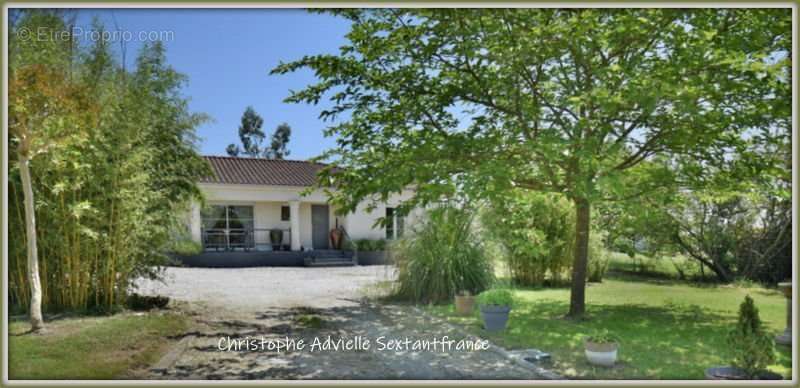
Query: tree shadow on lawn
{"type": "Point", "coordinates": [659, 279]}
{"type": "Point", "coordinates": [670, 342]}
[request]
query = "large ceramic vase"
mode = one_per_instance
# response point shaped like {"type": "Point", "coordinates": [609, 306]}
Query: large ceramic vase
{"type": "Point", "coordinates": [336, 238]}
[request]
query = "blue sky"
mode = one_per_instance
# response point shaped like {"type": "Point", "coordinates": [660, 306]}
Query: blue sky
{"type": "Point", "coordinates": [227, 55]}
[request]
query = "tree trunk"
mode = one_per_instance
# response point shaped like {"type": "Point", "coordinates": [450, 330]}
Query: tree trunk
{"type": "Point", "coordinates": [577, 301]}
{"type": "Point", "coordinates": [722, 273]}
{"type": "Point", "coordinates": [33, 256]}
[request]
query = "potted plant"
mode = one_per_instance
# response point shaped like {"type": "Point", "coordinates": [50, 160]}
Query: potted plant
{"type": "Point", "coordinates": [371, 251]}
{"type": "Point", "coordinates": [465, 303]}
{"type": "Point", "coordinates": [751, 349]}
{"type": "Point", "coordinates": [601, 349]}
{"type": "Point", "coordinates": [495, 305]}
{"type": "Point", "coordinates": [276, 238]}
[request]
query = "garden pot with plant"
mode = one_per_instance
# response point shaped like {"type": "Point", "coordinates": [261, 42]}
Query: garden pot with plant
{"type": "Point", "coordinates": [276, 238]}
{"type": "Point", "coordinates": [751, 347]}
{"type": "Point", "coordinates": [601, 349]}
{"type": "Point", "coordinates": [495, 306]}
{"type": "Point", "coordinates": [465, 303]}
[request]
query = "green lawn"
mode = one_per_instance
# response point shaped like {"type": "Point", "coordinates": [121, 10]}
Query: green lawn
{"type": "Point", "coordinates": [662, 267]}
{"type": "Point", "coordinates": [668, 329]}
{"type": "Point", "coordinates": [90, 347]}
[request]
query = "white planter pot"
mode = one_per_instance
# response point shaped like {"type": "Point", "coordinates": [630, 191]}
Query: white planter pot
{"type": "Point", "coordinates": [601, 355]}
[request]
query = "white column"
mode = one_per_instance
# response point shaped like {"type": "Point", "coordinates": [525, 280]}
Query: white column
{"type": "Point", "coordinates": [195, 221]}
{"type": "Point", "coordinates": [294, 216]}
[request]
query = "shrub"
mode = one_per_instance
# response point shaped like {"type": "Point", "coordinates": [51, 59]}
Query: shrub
{"type": "Point", "coordinates": [369, 244]}
{"type": "Point", "coordinates": [599, 258]}
{"type": "Point", "coordinates": [751, 346]}
{"type": "Point", "coordinates": [185, 247]}
{"type": "Point", "coordinates": [537, 233]}
{"type": "Point", "coordinates": [496, 297]}
{"type": "Point", "coordinates": [441, 256]}
{"type": "Point", "coordinates": [143, 302]}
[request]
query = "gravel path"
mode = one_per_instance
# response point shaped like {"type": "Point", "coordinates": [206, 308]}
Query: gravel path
{"type": "Point", "coordinates": [268, 287]}
{"type": "Point", "coordinates": [276, 305]}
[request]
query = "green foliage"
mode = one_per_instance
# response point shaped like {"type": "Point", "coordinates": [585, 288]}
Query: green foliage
{"type": "Point", "coordinates": [280, 139]}
{"type": "Point", "coordinates": [669, 330]}
{"type": "Point", "coordinates": [441, 256]}
{"type": "Point", "coordinates": [111, 192]}
{"type": "Point", "coordinates": [599, 258]}
{"type": "Point", "coordinates": [370, 244]}
{"type": "Point", "coordinates": [185, 247]}
{"type": "Point", "coordinates": [764, 248]}
{"type": "Point", "coordinates": [729, 234]}
{"type": "Point", "coordinates": [751, 346]}
{"type": "Point", "coordinates": [310, 321]}
{"type": "Point", "coordinates": [602, 336]}
{"type": "Point", "coordinates": [252, 136]}
{"type": "Point", "coordinates": [138, 302]}
{"type": "Point", "coordinates": [537, 233]}
{"type": "Point", "coordinates": [496, 297]}
{"type": "Point", "coordinates": [479, 101]}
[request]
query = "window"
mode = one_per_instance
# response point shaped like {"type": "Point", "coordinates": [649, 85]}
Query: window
{"type": "Point", "coordinates": [285, 213]}
{"type": "Point", "coordinates": [227, 226]}
{"type": "Point", "coordinates": [394, 224]}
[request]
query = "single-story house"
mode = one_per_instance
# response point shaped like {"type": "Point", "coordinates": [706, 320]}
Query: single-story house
{"type": "Point", "coordinates": [257, 212]}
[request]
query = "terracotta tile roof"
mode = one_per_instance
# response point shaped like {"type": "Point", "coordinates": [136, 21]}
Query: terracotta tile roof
{"type": "Point", "coordinates": [258, 171]}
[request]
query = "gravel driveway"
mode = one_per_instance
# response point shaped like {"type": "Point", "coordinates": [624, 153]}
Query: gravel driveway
{"type": "Point", "coordinates": [260, 288]}
{"type": "Point", "coordinates": [277, 304]}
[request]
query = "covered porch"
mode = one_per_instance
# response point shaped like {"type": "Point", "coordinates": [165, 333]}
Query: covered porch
{"type": "Point", "coordinates": [240, 219]}
{"type": "Point", "coordinates": [266, 226]}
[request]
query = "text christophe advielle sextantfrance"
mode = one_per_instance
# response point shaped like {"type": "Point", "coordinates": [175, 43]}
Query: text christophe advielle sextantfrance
{"type": "Point", "coordinates": [356, 343]}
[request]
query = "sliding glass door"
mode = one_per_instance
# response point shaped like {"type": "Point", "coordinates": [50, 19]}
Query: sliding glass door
{"type": "Point", "coordinates": [227, 227]}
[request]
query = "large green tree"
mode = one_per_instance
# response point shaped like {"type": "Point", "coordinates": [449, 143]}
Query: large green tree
{"type": "Point", "coordinates": [280, 139]}
{"type": "Point", "coordinates": [564, 100]}
{"type": "Point", "coordinates": [252, 136]}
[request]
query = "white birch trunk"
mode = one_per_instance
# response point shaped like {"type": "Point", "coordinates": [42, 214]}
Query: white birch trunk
{"type": "Point", "coordinates": [33, 255]}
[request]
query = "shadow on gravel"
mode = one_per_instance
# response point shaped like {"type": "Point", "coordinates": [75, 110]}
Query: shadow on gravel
{"type": "Point", "coordinates": [352, 342]}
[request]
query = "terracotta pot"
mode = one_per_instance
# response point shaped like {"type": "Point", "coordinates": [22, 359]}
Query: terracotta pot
{"type": "Point", "coordinates": [465, 304]}
{"type": "Point", "coordinates": [336, 238]}
{"type": "Point", "coordinates": [602, 354]}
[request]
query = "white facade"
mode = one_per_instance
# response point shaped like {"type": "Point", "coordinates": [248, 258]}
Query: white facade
{"type": "Point", "coordinates": [267, 201]}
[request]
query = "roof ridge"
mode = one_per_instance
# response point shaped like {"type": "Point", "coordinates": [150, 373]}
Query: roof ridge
{"type": "Point", "coordinates": [260, 159]}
